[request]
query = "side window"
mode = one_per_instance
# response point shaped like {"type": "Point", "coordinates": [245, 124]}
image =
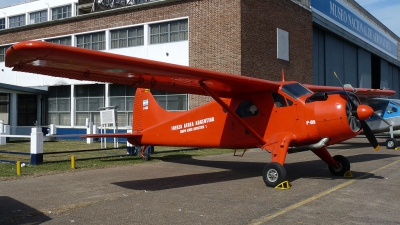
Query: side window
{"type": "Point", "coordinates": [246, 109]}
{"type": "Point", "coordinates": [279, 100]}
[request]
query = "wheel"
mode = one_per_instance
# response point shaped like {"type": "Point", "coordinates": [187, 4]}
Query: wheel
{"type": "Point", "coordinates": [343, 168]}
{"type": "Point", "coordinates": [147, 153]}
{"type": "Point", "coordinates": [274, 174]}
{"type": "Point", "coordinates": [391, 143]}
{"type": "Point", "coordinates": [146, 157]}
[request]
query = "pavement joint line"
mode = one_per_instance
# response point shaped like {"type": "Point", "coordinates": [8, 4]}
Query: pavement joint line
{"type": "Point", "coordinates": [308, 200]}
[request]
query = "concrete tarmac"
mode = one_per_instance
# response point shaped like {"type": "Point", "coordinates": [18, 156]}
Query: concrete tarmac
{"type": "Point", "coordinates": [219, 189]}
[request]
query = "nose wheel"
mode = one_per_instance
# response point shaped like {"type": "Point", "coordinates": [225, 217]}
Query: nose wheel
{"type": "Point", "coordinates": [274, 174]}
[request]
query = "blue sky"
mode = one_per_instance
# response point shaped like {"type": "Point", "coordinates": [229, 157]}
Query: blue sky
{"type": "Point", "coordinates": [386, 11]}
{"type": "Point", "coordinates": [4, 3]}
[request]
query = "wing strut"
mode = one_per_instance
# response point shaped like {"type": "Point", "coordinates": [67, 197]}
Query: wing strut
{"type": "Point", "coordinates": [230, 111]}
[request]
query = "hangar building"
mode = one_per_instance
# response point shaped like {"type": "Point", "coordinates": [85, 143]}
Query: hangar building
{"type": "Point", "coordinates": [309, 39]}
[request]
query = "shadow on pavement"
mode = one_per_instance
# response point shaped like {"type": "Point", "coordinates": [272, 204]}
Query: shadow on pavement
{"type": "Point", "coordinates": [315, 169]}
{"type": "Point", "coordinates": [15, 212]}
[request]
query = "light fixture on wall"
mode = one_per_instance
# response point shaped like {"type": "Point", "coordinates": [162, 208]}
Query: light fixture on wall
{"type": "Point", "coordinates": [167, 54]}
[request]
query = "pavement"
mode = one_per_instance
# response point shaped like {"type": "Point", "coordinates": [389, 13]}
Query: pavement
{"type": "Point", "coordinates": [222, 189]}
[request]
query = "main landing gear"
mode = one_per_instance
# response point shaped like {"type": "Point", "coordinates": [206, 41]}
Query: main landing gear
{"type": "Point", "coordinates": [344, 166]}
{"type": "Point", "coordinates": [274, 174]}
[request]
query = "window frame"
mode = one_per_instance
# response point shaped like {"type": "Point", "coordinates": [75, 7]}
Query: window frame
{"type": "Point", "coordinates": [61, 40]}
{"type": "Point", "coordinates": [90, 42]}
{"type": "Point", "coordinates": [163, 32]}
{"type": "Point", "coordinates": [3, 50]}
{"type": "Point", "coordinates": [2, 23]}
{"type": "Point", "coordinates": [17, 23]}
{"type": "Point", "coordinates": [88, 95]}
{"type": "Point", "coordinates": [115, 42]}
{"type": "Point", "coordinates": [42, 18]}
{"type": "Point", "coordinates": [66, 12]}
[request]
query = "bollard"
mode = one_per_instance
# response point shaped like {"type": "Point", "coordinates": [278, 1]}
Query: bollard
{"type": "Point", "coordinates": [36, 146]}
{"type": "Point", "coordinates": [19, 168]}
{"type": "Point", "coordinates": [72, 162]}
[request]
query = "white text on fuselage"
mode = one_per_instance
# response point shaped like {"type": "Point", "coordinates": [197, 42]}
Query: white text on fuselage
{"type": "Point", "coordinates": [193, 125]}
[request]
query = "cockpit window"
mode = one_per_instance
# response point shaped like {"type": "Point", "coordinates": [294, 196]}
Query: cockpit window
{"type": "Point", "coordinates": [295, 90]}
{"type": "Point", "coordinates": [246, 109]}
{"type": "Point", "coordinates": [279, 100]}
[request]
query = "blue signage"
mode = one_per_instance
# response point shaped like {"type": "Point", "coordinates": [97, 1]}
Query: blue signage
{"type": "Point", "coordinates": [347, 18]}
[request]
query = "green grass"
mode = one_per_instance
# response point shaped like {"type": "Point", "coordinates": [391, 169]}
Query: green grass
{"type": "Point", "coordinates": [57, 157]}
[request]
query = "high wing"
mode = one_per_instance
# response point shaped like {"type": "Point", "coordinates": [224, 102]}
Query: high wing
{"type": "Point", "coordinates": [83, 64]}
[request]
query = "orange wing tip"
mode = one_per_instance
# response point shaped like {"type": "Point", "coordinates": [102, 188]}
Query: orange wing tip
{"type": "Point", "coordinates": [283, 186]}
{"type": "Point", "coordinates": [377, 148]}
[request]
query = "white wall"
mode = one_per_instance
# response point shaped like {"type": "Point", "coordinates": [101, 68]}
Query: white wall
{"type": "Point", "coordinates": [34, 6]}
{"type": "Point", "coordinates": [175, 52]}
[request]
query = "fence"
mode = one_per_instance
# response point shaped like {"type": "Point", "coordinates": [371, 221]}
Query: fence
{"type": "Point", "coordinates": [37, 137]}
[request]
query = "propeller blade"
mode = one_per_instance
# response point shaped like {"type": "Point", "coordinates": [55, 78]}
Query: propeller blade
{"type": "Point", "coordinates": [370, 135]}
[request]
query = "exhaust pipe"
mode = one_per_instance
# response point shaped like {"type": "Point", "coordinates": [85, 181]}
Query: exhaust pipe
{"type": "Point", "coordinates": [318, 145]}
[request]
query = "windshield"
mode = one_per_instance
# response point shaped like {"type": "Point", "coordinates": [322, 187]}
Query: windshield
{"type": "Point", "coordinates": [295, 90]}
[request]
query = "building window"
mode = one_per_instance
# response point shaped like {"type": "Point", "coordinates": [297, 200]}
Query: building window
{"type": "Point", "coordinates": [4, 107]}
{"type": "Point", "coordinates": [3, 50]}
{"type": "Point", "coordinates": [16, 21]}
{"type": "Point", "coordinates": [59, 105]}
{"type": "Point", "coordinates": [61, 41]}
{"type": "Point", "coordinates": [61, 12]}
{"type": "Point", "coordinates": [38, 17]}
{"type": "Point", "coordinates": [169, 32]}
{"type": "Point", "coordinates": [95, 41]}
{"type": "Point", "coordinates": [88, 99]}
{"type": "Point", "coordinates": [2, 24]}
{"type": "Point", "coordinates": [128, 37]}
{"type": "Point", "coordinates": [123, 97]}
{"type": "Point", "coordinates": [171, 101]}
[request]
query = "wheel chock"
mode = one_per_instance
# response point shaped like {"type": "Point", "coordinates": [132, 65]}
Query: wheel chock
{"type": "Point", "coordinates": [348, 174]}
{"type": "Point", "coordinates": [283, 186]}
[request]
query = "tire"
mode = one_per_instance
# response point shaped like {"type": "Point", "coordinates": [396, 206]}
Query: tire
{"type": "Point", "coordinates": [147, 153]}
{"type": "Point", "coordinates": [343, 168]}
{"type": "Point", "coordinates": [274, 174]}
{"type": "Point", "coordinates": [391, 143]}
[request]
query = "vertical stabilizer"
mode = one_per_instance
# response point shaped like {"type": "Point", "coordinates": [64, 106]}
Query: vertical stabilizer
{"type": "Point", "coordinates": [147, 112]}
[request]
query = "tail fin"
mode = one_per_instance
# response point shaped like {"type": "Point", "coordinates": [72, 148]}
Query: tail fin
{"type": "Point", "coordinates": [147, 112]}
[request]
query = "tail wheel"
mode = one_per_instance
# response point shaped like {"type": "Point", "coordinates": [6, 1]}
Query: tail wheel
{"type": "Point", "coordinates": [274, 174]}
{"type": "Point", "coordinates": [146, 152]}
{"type": "Point", "coordinates": [344, 166]}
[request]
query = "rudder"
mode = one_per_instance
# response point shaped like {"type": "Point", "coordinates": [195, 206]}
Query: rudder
{"type": "Point", "coordinates": [146, 111]}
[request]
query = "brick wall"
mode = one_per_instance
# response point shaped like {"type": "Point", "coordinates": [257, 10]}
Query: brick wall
{"type": "Point", "coordinates": [260, 20]}
{"type": "Point", "coordinates": [232, 36]}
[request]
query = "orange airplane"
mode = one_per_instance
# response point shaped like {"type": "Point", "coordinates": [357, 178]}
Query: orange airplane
{"type": "Point", "coordinates": [278, 117]}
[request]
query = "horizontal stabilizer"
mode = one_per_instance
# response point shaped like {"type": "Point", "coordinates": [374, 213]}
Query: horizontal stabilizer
{"type": "Point", "coordinates": [124, 135]}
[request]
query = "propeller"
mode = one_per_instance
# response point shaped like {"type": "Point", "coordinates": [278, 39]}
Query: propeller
{"type": "Point", "coordinates": [356, 116]}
